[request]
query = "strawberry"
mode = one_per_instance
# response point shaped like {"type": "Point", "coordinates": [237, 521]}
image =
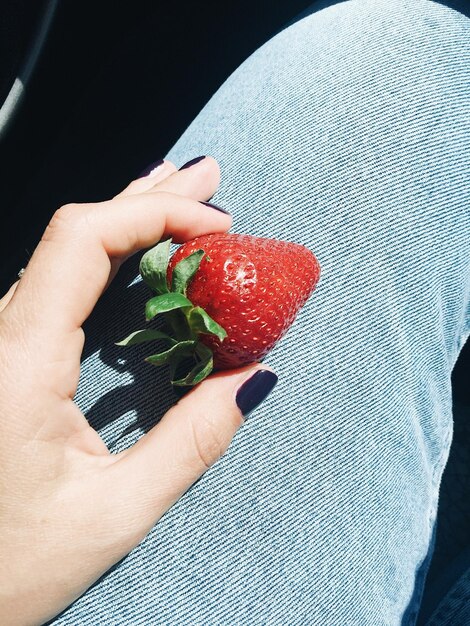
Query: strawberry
{"type": "Point", "coordinates": [232, 297]}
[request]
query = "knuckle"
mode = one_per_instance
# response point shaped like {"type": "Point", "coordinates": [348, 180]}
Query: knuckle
{"type": "Point", "coordinates": [134, 187]}
{"type": "Point", "coordinates": [66, 214]}
{"type": "Point", "coordinates": [209, 443]}
{"type": "Point", "coordinates": [67, 218]}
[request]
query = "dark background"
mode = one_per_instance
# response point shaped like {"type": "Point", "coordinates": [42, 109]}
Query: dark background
{"type": "Point", "coordinates": [117, 83]}
{"type": "Point", "coordinates": [115, 86]}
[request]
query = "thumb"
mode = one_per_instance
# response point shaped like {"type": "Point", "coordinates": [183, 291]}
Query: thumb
{"type": "Point", "coordinates": [155, 472]}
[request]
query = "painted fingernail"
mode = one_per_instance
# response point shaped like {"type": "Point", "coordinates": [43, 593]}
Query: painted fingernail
{"type": "Point", "coordinates": [151, 170]}
{"type": "Point", "coordinates": [213, 206]}
{"type": "Point", "coordinates": [255, 390]}
{"type": "Point", "coordinates": [192, 162]}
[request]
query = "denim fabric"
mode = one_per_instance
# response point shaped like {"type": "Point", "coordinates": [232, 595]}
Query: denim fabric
{"type": "Point", "coordinates": [454, 610]}
{"type": "Point", "coordinates": [451, 595]}
{"type": "Point", "coordinates": [348, 132]}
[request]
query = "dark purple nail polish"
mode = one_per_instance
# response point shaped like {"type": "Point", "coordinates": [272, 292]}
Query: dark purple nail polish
{"type": "Point", "coordinates": [255, 390]}
{"type": "Point", "coordinates": [213, 206]}
{"type": "Point", "coordinates": [192, 162]}
{"type": "Point", "coordinates": [150, 168]}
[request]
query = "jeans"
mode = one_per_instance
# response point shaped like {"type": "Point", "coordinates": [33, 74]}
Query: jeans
{"type": "Point", "coordinates": [348, 132]}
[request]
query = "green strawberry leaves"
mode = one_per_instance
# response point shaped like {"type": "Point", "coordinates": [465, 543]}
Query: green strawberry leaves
{"type": "Point", "coordinates": [187, 322]}
{"type": "Point", "coordinates": [181, 349]}
{"type": "Point", "coordinates": [165, 302]}
{"type": "Point", "coordinates": [153, 266]}
{"type": "Point", "coordinates": [185, 270]}
{"type": "Point", "coordinates": [201, 322]}
{"type": "Point", "coordinates": [200, 371]}
{"type": "Point", "coordinates": [140, 336]}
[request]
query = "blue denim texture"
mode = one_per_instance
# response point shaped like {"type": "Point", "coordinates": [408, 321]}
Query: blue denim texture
{"type": "Point", "coordinates": [349, 132]}
{"type": "Point", "coordinates": [451, 595]}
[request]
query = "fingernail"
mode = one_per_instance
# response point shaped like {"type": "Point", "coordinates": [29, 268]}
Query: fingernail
{"type": "Point", "coordinates": [192, 162]}
{"type": "Point", "coordinates": [255, 390]}
{"type": "Point", "coordinates": [213, 206]}
{"type": "Point", "coordinates": [151, 170]}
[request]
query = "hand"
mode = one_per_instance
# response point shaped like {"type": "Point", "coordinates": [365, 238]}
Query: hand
{"type": "Point", "coordinates": [70, 509]}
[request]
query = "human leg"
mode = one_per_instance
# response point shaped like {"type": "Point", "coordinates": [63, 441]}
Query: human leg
{"type": "Point", "coordinates": [346, 132]}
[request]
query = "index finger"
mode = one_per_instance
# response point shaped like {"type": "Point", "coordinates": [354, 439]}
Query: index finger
{"type": "Point", "coordinates": [72, 263]}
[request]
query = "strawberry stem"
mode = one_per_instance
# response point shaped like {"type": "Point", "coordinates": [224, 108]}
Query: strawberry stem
{"type": "Point", "coordinates": [186, 320]}
{"type": "Point", "coordinates": [178, 322]}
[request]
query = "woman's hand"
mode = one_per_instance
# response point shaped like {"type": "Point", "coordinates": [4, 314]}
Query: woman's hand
{"type": "Point", "coordinates": [70, 509]}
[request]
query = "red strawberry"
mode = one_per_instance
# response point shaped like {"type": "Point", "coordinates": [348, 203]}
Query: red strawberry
{"type": "Point", "coordinates": [253, 287]}
{"type": "Point", "coordinates": [228, 298]}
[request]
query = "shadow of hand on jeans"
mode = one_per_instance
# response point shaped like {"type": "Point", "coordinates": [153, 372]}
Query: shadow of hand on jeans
{"type": "Point", "coordinates": [149, 395]}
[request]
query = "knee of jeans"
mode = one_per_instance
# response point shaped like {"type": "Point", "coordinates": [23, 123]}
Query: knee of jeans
{"type": "Point", "coordinates": [374, 78]}
{"type": "Point", "coordinates": [373, 43]}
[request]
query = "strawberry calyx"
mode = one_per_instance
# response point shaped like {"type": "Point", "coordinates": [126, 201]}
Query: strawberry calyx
{"type": "Point", "coordinates": [188, 358]}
